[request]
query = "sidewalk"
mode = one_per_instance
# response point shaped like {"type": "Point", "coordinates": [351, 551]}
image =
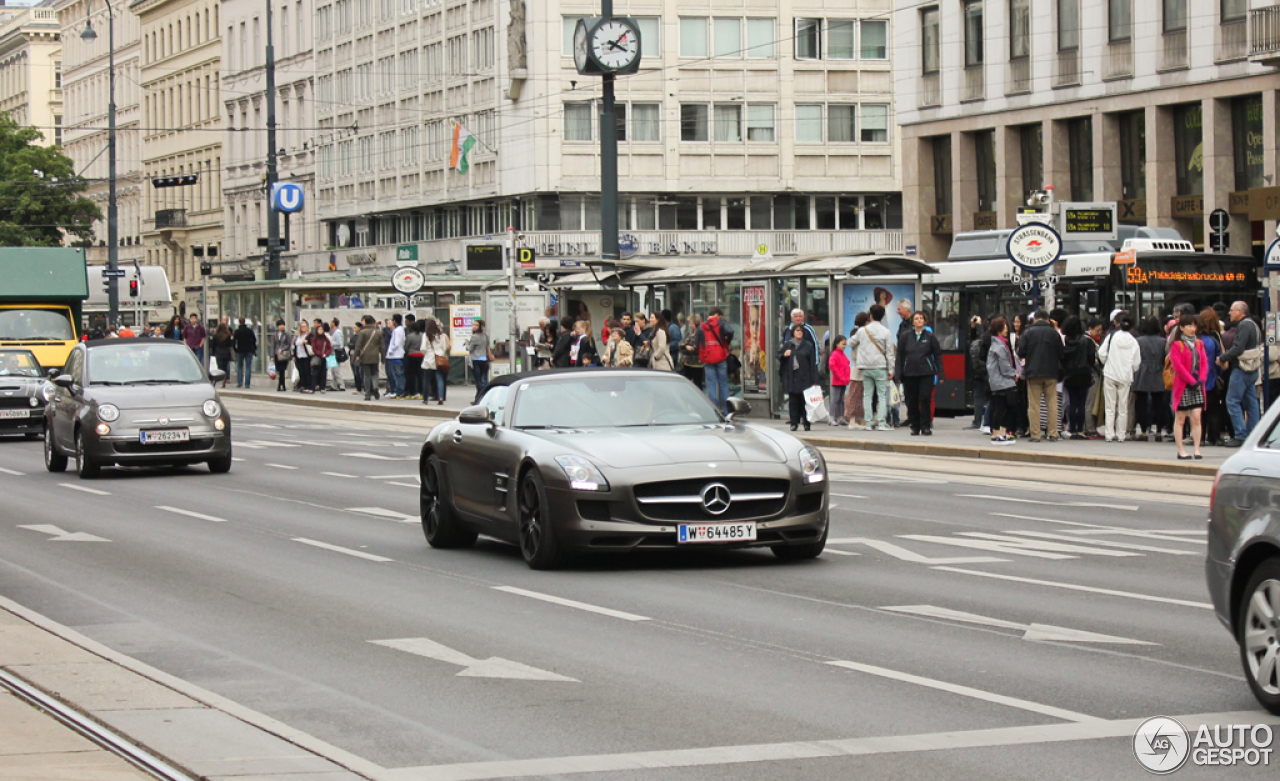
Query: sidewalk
{"type": "Point", "coordinates": [949, 437]}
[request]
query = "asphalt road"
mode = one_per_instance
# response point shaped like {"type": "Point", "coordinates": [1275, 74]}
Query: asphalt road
{"type": "Point", "coordinates": [1024, 609]}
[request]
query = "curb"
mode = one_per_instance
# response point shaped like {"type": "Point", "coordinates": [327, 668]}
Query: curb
{"type": "Point", "coordinates": [1003, 455]}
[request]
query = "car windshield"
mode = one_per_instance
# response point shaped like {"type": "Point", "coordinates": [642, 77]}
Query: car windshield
{"type": "Point", "coordinates": [141, 363]}
{"type": "Point", "coordinates": [605, 401]}
{"type": "Point", "coordinates": [18, 363]}
{"type": "Point", "coordinates": [23, 324]}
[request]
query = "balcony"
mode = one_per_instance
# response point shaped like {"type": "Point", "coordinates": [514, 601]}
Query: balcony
{"type": "Point", "coordinates": [930, 91]}
{"type": "Point", "coordinates": [1117, 63]}
{"type": "Point", "coordinates": [1264, 35]}
{"type": "Point", "coordinates": [168, 219]}
{"type": "Point", "coordinates": [1173, 51]}
{"type": "Point", "coordinates": [975, 83]}
{"type": "Point", "coordinates": [1019, 76]}
{"type": "Point", "coordinates": [1231, 41]}
{"type": "Point", "coordinates": [1066, 72]}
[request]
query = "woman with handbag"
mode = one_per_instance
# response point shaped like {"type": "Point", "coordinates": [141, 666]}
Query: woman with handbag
{"type": "Point", "coordinates": [435, 362]}
{"type": "Point", "coordinates": [1190, 367]}
{"type": "Point", "coordinates": [690, 360]}
{"type": "Point", "coordinates": [798, 370]}
{"type": "Point", "coordinates": [660, 343]}
{"type": "Point", "coordinates": [480, 353]}
{"type": "Point", "coordinates": [321, 355]}
{"type": "Point", "coordinates": [413, 355]}
{"type": "Point", "coordinates": [302, 352]}
{"type": "Point", "coordinates": [281, 351]}
{"type": "Point", "coordinates": [223, 342]}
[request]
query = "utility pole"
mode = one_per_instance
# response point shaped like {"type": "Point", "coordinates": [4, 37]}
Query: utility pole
{"type": "Point", "coordinates": [273, 176]}
{"type": "Point", "coordinates": [514, 329]}
{"type": "Point", "coordinates": [113, 221]}
{"type": "Point", "coordinates": [608, 162]}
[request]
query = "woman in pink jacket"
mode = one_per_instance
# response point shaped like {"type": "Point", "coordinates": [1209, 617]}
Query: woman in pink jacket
{"type": "Point", "coordinates": [839, 365]}
{"type": "Point", "coordinates": [1190, 370]}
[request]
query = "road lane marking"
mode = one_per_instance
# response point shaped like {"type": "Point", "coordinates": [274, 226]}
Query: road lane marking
{"type": "Point", "coordinates": [1029, 631]}
{"type": "Point", "coordinates": [338, 474]}
{"type": "Point", "coordinates": [836, 552]}
{"type": "Point", "coordinates": [1095, 529]}
{"type": "Point", "coordinates": [190, 514]}
{"type": "Point", "coordinates": [993, 498]}
{"type": "Point", "coordinates": [1056, 547]}
{"type": "Point", "coordinates": [493, 667]}
{"type": "Point", "coordinates": [967, 691]}
{"type": "Point", "coordinates": [1078, 587]}
{"type": "Point", "coordinates": [267, 443]}
{"type": "Point", "coordinates": [390, 477]}
{"type": "Point", "coordinates": [724, 756]}
{"type": "Point", "coordinates": [379, 457]}
{"type": "Point", "coordinates": [403, 485]}
{"type": "Point", "coordinates": [85, 489]}
{"type": "Point", "coordinates": [340, 549]}
{"type": "Point", "coordinates": [604, 611]}
{"type": "Point", "coordinates": [1028, 548]}
{"type": "Point", "coordinates": [1108, 543]}
{"type": "Point", "coordinates": [382, 512]}
{"type": "Point", "coordinates": [902, 554]}
{"type": "Point", "coordinates": [58, 535]}
{"type": "Point", "coordinates": [13, 472]}
{"type": "Point", "coordinates": [280, 466]}
{"type": "Point", "coordinates": [233, 458]}
{"type": "Point", "coordinates": [848, 496]}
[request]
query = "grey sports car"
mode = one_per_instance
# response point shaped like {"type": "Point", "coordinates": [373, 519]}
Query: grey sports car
{"type": "Point", "coordinates": [22, 396]}
{"type": "Point", "coordinates": [576, 460]}
{"type": "Point", "coordinates": [135, 402]}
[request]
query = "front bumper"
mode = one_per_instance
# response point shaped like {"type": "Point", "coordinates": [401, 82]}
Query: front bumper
{"type": "Point", "coordinates": [33, 422]}
{"type": "Point", "coordinates": [123, 446]}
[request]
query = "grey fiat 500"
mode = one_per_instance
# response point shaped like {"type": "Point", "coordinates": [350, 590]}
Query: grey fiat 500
{"type": "Point", "coordinates": [135, 402]}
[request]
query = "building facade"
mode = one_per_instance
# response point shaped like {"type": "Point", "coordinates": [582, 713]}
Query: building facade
{"type": "Point", "coordinates": [245, 149]}
{"type": "Point", "coordinates": [749, 124]}
{"type": "Point", "coordinates": [85, 88]}
{"type": "Point", "coordinates": [31, 72]}
{"type": "Point", "coordinates": [182, 128]}
{"type": "Point", "coordinates": [1167, 107]}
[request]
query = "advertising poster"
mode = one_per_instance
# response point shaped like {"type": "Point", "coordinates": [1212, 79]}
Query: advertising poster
{"type": "Point", "coordinates": [859, 298]}
{"type": "Point", "coordinates": [461, 318]}
{"type": "Point", "coordinates": [754, 371]}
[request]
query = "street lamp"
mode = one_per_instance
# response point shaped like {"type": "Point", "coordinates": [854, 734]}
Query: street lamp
{"type": "Point", "coordinates": [88, 35]}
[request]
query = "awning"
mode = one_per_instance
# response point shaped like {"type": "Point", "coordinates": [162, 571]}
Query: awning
{"type": "Point", "coordinates": [853, 264]}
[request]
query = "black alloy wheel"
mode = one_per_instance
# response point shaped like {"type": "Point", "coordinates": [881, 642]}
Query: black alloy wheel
{"type": "Point", "coordinates": [53, 460]}
{"type": "Point", "coordinates": [440, 524]}
{"type": "Point", "coordinates": [538, 541]}
{"type": "Point", "coordinates": [86, 467]}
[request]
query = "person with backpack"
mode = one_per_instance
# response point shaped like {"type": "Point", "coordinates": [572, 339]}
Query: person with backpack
{"type": "Point", "coordinates": [875, 355]}
{"type": "Point", "coordinates": [714, 340]}
{"type": "Point", "coordinates": [1121, 357]}
{"type": "Point", "coordinates": [1080, 359]}
{"type": "Point", "coordinates": [1190, 370]}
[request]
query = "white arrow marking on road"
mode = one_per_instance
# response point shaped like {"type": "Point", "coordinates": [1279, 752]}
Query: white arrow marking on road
{"type": "Point", "coordinates": [85, 489]}
{"type": "Point", "coordinates": [1017, 546]}
{"type": "Point", "coordinates": [604, 611]}
{"type": "Point", "coordinates": [13, 472]}
{"type": "Point", "coordinates": [1108, 543]}
{"type": "Point", "coordinates": [377, 457]}
{"type": "Point", "coordinates": [58, 535]}
{"type": "Point", "coordinates": [190, 514]}
{"type": "Point", "coordinates": [1163, 535]}
{"type": "Point", "coordinates": [1078, 587]}
{"type": "Point", "coordinates": [340, 549]}
{"type": "Point", "coordinates": [493, 667]}
{"type": "Point", "coordinates": [1030, 631]}
{"type": "Point", "coordinates": [1130, 507]}
{"type": "Point", "coordinates": [902, 554]}
{"type": "Point", "coordinates": [1057, 547]}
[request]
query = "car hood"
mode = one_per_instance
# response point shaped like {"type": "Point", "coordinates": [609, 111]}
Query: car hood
{"type": "Point", "coordinates": [655, 446]}
{"type": "Point", "coordinates": [19, 387]}
{"type": "Point", "coordinates": [153, 396]}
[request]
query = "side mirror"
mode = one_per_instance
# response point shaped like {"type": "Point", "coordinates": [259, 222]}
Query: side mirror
{"type": "Point", "coordinates": [217, 375]}
{"type": "Point", "coordinates": [738, 406]}
{"type": "Point", "coordinates": [63, 381]}
{"type": "Point", "coordinates": [52, 372]}
{"type": "Point", "coordinates": [476, 415]}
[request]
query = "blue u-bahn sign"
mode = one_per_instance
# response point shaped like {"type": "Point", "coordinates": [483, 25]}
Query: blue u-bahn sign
{"type": "Point", "coordinates": [286, 197]}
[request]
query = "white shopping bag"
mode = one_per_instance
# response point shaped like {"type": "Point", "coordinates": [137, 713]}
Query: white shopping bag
{"type": "Point", "coordinates": [293, 373]}
{"type": "Point", "coordinates": [815, 406]}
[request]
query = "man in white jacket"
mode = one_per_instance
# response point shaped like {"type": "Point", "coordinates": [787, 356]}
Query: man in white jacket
{"type": "Point", "coordinates": [1120, 357]}
{"type": "Point", "coordinates": [875, 353]}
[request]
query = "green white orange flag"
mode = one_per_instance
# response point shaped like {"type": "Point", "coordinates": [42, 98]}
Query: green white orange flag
{"type": "Point", "coordinates": [462, 143]}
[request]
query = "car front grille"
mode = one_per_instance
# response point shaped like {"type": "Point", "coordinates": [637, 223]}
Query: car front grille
{"type": "Point", "coordinates": [138, 448]}
{"type": "Point", "coordinates": [681, 500]}
{"type": "Point", "coordinates": [15, 402]}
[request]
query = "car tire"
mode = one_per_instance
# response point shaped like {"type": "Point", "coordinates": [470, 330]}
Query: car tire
{"type": "Point", "coordinates": [538, 543]}
{"type": "Point", "coordinates": [221, 465]}
{"type": "Point", "coordinates": [811, 550]}
{"type": "Point", "coordinates": [1259, 637]}
{"type": "Point", "coordinates": [53, 460]}
{"type": "Point", "coordinates": [34, 435]}
{"type": "Point", "coordinates": [86, 467]}
{"type": "Point", "coordinates": [440, 524]}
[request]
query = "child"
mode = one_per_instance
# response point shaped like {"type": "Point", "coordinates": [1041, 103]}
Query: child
{"type": "Point", "coordinates": [839, 365]}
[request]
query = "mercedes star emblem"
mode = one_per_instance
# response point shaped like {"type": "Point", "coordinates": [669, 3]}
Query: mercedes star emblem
{"type": "Point", "coordinates": [716, 498]}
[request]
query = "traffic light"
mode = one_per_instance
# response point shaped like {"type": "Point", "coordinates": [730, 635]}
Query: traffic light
{"type": "Point", "coordinates": [133, 288]}
{"type": "Point", "coordinates": [174, 181]}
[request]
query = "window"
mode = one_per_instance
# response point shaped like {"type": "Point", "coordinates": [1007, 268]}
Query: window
{"type": "Point", "coordinates": [1080, 143]}
{"type": "Point", "coordinates": [387, 147]}
{"type": "Point", "coordinates": [875, 40]}
{"type": "Point", "coordinates": [1188, 149]}
{"type": "Point", "coordinates": [760, 38]}
{"type": "Point", "coordinates": [728, 118]}
{"type": "Point", "coordinates": [1247, 138]}
{"type": "Point", "coordinates": [1068, 25]}
{"type": "Point", "coordinates": [808, 39]}
{"type": "Point", "coordinates": [650, 28]}
{"type": "Point", "coordinates": [728, 37]}
{"type": "Point", "coordinates": [841, 40]}
{"type": "Point", "coordinates": [942, 175]}
{"type": "Point", "coordinates": [1234, 10]}
{"type": "Point", "coordinates": [1133, 155]}
{"type": "Point", "coordinates": [1031, 142]}
{"type": "Point", "coordinates": [620, 120]}
{"type": "Point", "coordinates": [1019, 29]}
{"type": "Point", "coordinates": [693, 37]}
{"type": "Point", "coordinates": [984, 154]}
{"type": "Point", "coordinates": [1175, 18]}
{"type": "Point", "coordinates": [409, 143]}
{"type": "Point", "coordinates": [577, 121]}
{"type": "Point", "coordinates": [693, 122]}
{"type": "Point", "coordinates": [646, 121]}
{"type": "Point", "coordinates": [760, 122]}
{"type": "Point", "coordinates": [1119, 20]}
{"type": "Point", "coordinates": [875, 124]}
{"type": "Point", "coordinates": [973, 34]}
{"type": "Point", "coordinates": [929, 48]}
{"type": "Point", "coordinates": [841, 123]}
{"type": "Point", "coordinates": [808, 124]}
{"type": "Point", "coordinates": [824, 209]}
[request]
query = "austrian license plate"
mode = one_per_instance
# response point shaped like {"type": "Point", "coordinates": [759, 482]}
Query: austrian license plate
{"type": "Point", "coordinates": [715, 532]}
{"type": "Point", "coordinates": [165, 435]}
{"type": "Point", "coordinates": [15, 413]}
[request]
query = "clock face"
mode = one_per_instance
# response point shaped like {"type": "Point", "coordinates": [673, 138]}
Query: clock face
{"type": "Point", "coordinates": [615, 44]}
{"type": "Point", "coordinates": [580, 46]}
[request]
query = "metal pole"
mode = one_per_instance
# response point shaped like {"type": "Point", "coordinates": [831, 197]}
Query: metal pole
{"type": "Point", "coordinates": [273, 221]}
{"type": "Point", "coordinates": [608, 162]}
{"type": "Point", "coordinates": [514, 327]}
{"type": "Point", "coordinates": [113, 221]}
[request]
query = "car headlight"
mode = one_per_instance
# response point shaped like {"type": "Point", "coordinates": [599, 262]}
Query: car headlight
{"type": "Point", "coordinates": [582, 474]}
{"type": "Point", "coordinates": [811, 465]}
{"type": "Point", "coordinates": [33, 401]}
{"type": "Point", "coordinates": [46, 391]}
{"type": "Point", "coordinates": [211, 409]}
{"type": "Point", "coordinates": [108, 412]}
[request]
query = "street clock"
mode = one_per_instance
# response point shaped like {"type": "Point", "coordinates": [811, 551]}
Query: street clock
{"type": "Point", "coordinates": [606, 46]}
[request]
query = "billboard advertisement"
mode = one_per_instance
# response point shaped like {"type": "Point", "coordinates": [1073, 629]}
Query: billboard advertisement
{"type": "Point", "coordinates": [755, 373]}
{"type": "Point", "coordinates": [461, 318]}
{"type": "Point", "coordinates": [859, 298]}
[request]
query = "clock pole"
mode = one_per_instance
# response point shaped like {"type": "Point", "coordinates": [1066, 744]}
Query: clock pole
{"type": "Point", "coordinates": [608, 162]}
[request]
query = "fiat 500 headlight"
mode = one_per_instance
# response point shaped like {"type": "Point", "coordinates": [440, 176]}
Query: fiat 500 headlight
{"type": "Point", "coordinates": [108, 412]}
{"type": "Point", "coordinates": [811, 465]}
{"type": "Point", "coordinates": [211, 409]}
{"type": "Point", "coordinates": [582, 474]}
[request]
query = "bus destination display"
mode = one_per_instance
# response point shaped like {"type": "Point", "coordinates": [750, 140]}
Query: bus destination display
{"type": "Point", "coordinates": [1078, 221]}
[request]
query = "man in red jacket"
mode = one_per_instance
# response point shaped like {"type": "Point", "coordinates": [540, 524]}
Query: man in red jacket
{"type": "Point", "coordinates": [714, 338]}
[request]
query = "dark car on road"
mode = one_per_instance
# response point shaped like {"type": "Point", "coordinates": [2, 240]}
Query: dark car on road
{"type": "Point", "coordinates": [577, 460]}
{"type": "Point", "coordinates": [135, 402]}
{"type": "Point", "coordinates": [1243, 566]}
{"type": "Point", "coordinates": [22, 393]}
